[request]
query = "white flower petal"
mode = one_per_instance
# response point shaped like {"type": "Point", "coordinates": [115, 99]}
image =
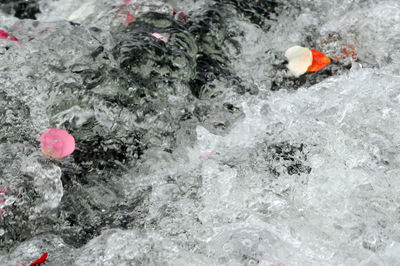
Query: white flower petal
{"type": "Point", "coordinates": [300, 58]}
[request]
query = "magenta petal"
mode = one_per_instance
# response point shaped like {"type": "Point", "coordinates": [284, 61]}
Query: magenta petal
{"type": "Point", "coordinates": [57, 143]}
{"type": "Point", "coordinates": [5, 35]}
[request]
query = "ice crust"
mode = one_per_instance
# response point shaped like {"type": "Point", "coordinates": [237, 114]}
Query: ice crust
{"type": "Point", "coordinates": [305, 175]}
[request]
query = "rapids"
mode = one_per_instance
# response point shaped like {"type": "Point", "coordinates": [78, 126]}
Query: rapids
{"type": "Point", "coordinates": [202, 150]}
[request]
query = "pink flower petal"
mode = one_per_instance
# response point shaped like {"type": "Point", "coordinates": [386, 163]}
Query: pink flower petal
{"type": "Point", "coordinates": [130, 17]}
{"type": "Point", "coordinates": [206, 154]}
{"type": "Point", "coordinates": [57, 143]}
{"type": "Point", "coordinates": [159, 36]}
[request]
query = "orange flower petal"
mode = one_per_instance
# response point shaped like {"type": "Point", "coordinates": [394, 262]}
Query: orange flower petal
{"type": "Point", "coordinates": [319, 61]}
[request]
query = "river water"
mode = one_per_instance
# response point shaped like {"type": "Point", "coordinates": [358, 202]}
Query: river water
{"type": "Point", "coordinates": [202, 150]}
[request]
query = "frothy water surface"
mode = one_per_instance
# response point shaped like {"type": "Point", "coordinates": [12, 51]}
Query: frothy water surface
{"type": "Point", "coordinates": [202, 150]}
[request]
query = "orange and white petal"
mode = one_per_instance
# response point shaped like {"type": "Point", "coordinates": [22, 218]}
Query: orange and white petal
{"type": "Point", "coordinates": [300, 58]}
{"type": "Point", "coordinates": [319, 61]}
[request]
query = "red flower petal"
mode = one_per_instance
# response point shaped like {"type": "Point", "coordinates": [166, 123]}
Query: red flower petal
{"type": "Point", "coordinates": [40, 260]}
{"type": "Point", "coordinates": [7, 36]}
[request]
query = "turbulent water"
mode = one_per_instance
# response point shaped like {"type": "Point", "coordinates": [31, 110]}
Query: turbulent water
{"type": "Point", "coordinates": [202, 150]}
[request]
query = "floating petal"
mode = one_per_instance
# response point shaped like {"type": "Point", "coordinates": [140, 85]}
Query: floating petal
{"type": "Point", "coordinates": [57, 143]}
{"type": "Point", "coordinates": [319, 61]}
{"type": "Point", "coordinates": [159, 36]}
{"type": "Point", "coordinates": [300, 58]}
{"type": "Point", "coordinates": [7, 36]}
